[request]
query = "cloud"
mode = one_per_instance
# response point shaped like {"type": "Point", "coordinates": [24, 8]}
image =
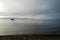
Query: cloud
{"type": "Point", "coordinates": [31, 8]}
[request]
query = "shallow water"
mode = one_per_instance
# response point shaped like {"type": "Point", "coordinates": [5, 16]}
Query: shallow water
{"type": "Point", "coordinates": [8, 27]}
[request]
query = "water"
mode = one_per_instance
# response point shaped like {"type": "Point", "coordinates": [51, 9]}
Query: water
{"type": "Point", "coordinates": [8, 27]}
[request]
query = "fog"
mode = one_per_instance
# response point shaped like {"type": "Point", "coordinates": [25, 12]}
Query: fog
{"type": "Point", "coordinates": [45, 16]}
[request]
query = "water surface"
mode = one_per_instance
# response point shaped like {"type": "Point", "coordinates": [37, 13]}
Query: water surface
{"type": "Point", "coordinates": [19, 26]}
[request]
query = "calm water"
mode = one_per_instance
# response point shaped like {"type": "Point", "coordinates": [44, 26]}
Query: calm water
{"type": "Point", "coordinates": [29, 27]}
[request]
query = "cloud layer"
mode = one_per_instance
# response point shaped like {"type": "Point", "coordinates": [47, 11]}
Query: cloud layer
{"type": "Point", "coordinates": [30, 8]}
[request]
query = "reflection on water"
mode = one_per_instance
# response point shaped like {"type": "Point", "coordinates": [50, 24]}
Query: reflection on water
{"type": "Point", "coordinates": [29, 26]}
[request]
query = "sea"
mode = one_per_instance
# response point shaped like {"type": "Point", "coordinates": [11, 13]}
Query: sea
{"type": "Point", "coordinates": [29, 26]}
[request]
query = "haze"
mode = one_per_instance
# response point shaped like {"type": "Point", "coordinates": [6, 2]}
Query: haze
{"type": "Point", "coordinates": [39, 9]}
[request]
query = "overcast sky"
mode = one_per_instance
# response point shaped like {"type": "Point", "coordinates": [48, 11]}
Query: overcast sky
{"type": "Point", "coordinates": [30, 8]}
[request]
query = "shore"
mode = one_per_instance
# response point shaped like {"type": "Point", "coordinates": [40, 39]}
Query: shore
{"type": "Point", "coordinates": [30, 37]}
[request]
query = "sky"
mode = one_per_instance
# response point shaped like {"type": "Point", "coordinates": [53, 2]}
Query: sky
{"type": "Point", "coordinates": [41, 9]}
